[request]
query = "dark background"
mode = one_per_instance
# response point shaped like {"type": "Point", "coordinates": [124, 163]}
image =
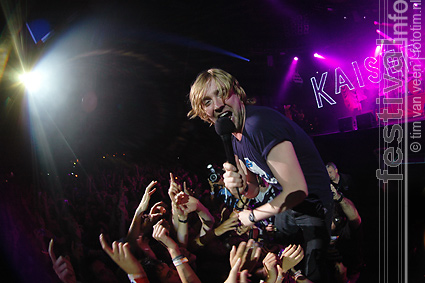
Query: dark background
{"type": "Point", "coordinates": [139, 59]}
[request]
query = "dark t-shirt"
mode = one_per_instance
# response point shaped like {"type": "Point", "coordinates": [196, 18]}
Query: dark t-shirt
{"type": "Point", "coordinates": [346, 186]}
{"type": "Point", "coordinates": [264, 129]}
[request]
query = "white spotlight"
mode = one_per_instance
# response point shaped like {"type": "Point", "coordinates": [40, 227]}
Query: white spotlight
{"type": "Point", "coordinates": [31, 80]}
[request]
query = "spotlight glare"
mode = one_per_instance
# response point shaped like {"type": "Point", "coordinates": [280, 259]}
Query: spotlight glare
{"type": "Point", "coordinates": [377, 50]}
{"type": "Point", "coordinates": [296, 58]}
{"type": "Point", "coordinates": [316, 55]}
{"type": "Point", "coordinates": [31, 80]}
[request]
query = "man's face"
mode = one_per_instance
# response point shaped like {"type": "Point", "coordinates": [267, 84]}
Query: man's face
{"type": "Point", "coordinates": [333, 173]}
{"type": "Point", "coordinates": [215, 107]}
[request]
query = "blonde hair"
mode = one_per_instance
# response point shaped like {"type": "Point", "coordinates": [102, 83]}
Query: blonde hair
{"type": "Point", "coordinates": [226, 84]}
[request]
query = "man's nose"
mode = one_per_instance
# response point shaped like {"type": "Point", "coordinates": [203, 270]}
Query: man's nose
{"type": "Point", "coordinates": [218, 105]}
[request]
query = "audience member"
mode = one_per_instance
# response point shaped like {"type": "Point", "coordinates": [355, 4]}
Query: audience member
{"type": "Point", "coordinates": [62, 266]}
{"type": "Point", "coordinates": [343, 183]}
{"type": "Point", "coordinates": [121, 255]}
{"type": "Point", "coordinates": [185, 272]}
{"type": "Point", "coordinates": [345, 253]}
{"type": "Point", "coordinates": [163, 232]}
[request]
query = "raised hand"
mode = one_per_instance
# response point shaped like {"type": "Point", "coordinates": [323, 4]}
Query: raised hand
{"type": "Point", "coordinates": [235, 276]}
{"type": "Point", "coordinates": [270, 267]}
{"type": "Point", "coordinates": [121, 255]}
{"type": "Point", "coordinates": [249, 253]}
{"type": "Point", "coordinates": [335, 193]}
{"type": "Point", "coordinates": [229, 225]}
{"type": "Point", "coordinates": [181, 198]}
{"type": "Point", "coordinates": [161, 234]}
{"type": "Point", "coordinates": [62, 266]}
{"type": "Point", "coordinates": [144, 203]}
{"type": "Point", "coordinates": [191, 205]}
{"type": "Point", "coordinates": [157, 210]}
{"type": "Point", "coordinates": [291, 256]}
{"type": "Point", "coordinates": [175, 192]}
{"type": "Point", "coordinates": [174, 188]}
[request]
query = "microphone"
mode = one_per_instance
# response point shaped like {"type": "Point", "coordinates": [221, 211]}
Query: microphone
{"type": "Point", "coordinates": [224, 128]}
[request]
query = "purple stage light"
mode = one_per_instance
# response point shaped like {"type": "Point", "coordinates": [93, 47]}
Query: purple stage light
{"type": "Point", "coordinates": [378, 50]}
{"type": "Point", "coordinates": [288, 78]}
{"type": "Point", "coordinates": [383, 34]}
{"type": "Point", "coordinates": [316, 55]}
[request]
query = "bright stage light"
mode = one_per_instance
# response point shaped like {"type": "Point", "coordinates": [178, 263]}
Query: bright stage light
{"type": "Point", "coordinates": [316, 55]}
{"type": "Point", "coordinates": [296, 58]}
{"type": "Point", "coordinates": [378, 50]}
{"type": "Point", "coordinates": [383, 34]}
{"type": "Point", "coordinates": [32, 80]}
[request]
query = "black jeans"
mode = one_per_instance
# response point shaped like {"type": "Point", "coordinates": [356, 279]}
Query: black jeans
{"type": "Point", "coordinates": [312, 232]}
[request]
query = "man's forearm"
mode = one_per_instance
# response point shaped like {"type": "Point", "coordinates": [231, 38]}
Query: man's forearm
{"type": "Point", "coordinates": [279, 204]}
{"type": "Point", "coordinates": [285, 200]}
{"type": "Point", "coordinates": [134, 229]}
{"type": "Point", "coordinates": [205, 216]}
{"type": "Point", "coordinates": [186, 273]}
{"type": "Point", "coordinates": [350, 210]}
{"type": "Point", "coordinates": [265, 211]}
{"type": "Point", "coordinates": [182, 232]}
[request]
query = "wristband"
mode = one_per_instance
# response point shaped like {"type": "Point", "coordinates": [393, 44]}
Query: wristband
{"type": "Point", "coordinates": [183, 221]}
{"type": "Point", "coordinates": [178, 257]}
{"type": "Point", "coordinates": [296, 274]}
{"type": "Point", "coordinates": [138, 278]}
{"type": "Point", "coordinates": [341, 198]}
{"type": "Point", "coordinates": [180, 261]}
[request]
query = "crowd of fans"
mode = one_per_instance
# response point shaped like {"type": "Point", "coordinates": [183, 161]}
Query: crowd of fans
{"type": "Point", "coordinates": [139, 223]}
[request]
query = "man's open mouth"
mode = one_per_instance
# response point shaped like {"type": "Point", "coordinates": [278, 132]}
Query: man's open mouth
{"type": "Point", "coordinates": [225, 114]}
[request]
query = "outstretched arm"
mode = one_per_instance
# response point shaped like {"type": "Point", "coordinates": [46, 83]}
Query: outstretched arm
{"type": "Point", "coordinates": [62, 266]}
{"type": "Point", "coordinates": [194, 205]}
{"type": "Point", "coordinates": [348, 208]}
{"type": "Point", "coordinates": [134, 230]}
{"type": "Point", "coordinates": [121, 255]}
{"type": "Point", "coordinates": [229, 225]}
{"type": "Point", "coordinates": [290, 257]}
{"type": "Point", "coordinates": [283, 163]}
{"type": "Point", "coordinates": [270, 267]}
{"type": "Point", "coordinates": [186, 273]}
{"type": "Point", "coordinates": [179, 215]}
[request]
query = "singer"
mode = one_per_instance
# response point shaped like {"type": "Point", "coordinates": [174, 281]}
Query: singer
{"type": "Point", "coordinates": [269, 145]}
